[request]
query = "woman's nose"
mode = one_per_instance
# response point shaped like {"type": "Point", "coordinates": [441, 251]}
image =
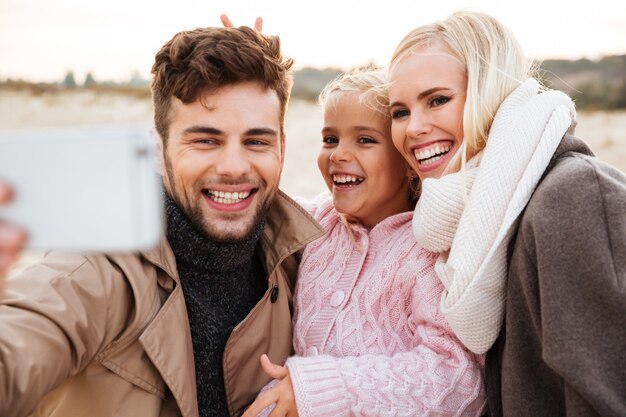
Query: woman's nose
{"type": "Point", "coordinates": [419, 124]}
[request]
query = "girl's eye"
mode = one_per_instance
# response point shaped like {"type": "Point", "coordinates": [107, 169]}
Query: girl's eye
{"type": "Point", "coordinates": [397, 114]}
{"type": "Point", "coordinates": [439, 101]}
{"type": "Point", "coordinates": [329, 140]}
{"type": "Point", "coordinates": [366, 139]}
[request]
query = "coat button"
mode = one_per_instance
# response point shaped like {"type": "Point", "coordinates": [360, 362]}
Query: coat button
{"type": "Point", "coordinates": [337, 298]}
{"type": "Point", "coordinates": [311, 351]}
{"type": "Point", "coordinates": [274, 294]}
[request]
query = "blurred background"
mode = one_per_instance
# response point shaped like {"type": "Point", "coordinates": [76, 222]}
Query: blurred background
{"type": "Point", "coordinates": [82, 63]}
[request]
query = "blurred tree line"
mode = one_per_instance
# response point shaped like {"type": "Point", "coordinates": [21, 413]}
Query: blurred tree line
{"type": "Point", "coordinates": [593, 84]}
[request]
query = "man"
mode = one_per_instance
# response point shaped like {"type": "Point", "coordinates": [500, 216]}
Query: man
{"type": "Point", "coordinates": [135, 334]}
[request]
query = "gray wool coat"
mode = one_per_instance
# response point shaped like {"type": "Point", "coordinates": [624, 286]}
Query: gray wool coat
{"type": "Point", "coordinates": [562, 351]}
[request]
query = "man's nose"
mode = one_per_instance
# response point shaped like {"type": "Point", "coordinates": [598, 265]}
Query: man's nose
{"type": "Point", "coordinates": [233, 161]}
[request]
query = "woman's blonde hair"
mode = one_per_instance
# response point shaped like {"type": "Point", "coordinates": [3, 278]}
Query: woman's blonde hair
{"type": "Point", "coordinates": [493, 60]}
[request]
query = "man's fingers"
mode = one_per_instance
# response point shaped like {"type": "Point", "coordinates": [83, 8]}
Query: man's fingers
{"type": "Point", "coordinates": [12, 239]}
{"type": "Point", "coordinates": [226, 21]}
{"type": "Point", "coordinates": [5, 193]}
{"type": "Point", "coordinates": [273, 370]}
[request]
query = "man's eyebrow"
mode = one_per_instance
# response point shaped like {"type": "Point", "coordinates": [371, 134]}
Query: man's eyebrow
{"type": "Point", "coordinates": [261, 131]}
{"type": "Point", "coordinates": [203, 129]}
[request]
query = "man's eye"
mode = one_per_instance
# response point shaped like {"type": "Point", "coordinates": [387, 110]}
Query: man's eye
{"type": "Point", "coordinates": [255, 142]}
{"type": "Point", "coordinates": [205, 141]}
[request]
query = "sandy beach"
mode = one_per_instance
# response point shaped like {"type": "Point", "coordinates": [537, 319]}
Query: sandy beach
{"type": "Point", "coordinates": [605, 132]}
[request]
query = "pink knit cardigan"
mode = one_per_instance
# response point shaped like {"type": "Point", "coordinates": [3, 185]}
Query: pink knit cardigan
{"type": "Point", "coordinates": [369, 336]}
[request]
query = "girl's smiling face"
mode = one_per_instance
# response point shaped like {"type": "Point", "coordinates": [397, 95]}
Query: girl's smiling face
{"type": "Point", "coordinates": [427, 96]}
{"type": "Point", "coordinates": [365, 173]}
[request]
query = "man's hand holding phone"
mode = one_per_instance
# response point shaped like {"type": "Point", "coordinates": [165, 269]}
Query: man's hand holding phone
{"type": "Point", "coordinates": [91, 189]}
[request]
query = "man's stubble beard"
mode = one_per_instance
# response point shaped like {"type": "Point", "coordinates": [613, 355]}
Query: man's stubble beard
{"type": "Point", "coordinates": [197, 218]}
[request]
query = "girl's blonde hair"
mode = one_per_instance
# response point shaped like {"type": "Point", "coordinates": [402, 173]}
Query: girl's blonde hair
{"type": "Point", "coordinates": [370, 84]}
{"type": "Point", "coordinates": [493, 60]}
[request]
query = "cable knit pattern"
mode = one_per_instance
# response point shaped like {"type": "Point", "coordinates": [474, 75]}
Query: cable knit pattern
{"type": "Point", "coordinates": [369, 336]}
{"type": "Point", "coordinates": [525, 132]}
{"type": "Point", "coordinates": [436, 229]}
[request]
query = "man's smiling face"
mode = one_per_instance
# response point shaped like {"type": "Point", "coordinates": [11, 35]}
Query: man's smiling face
{"type": "Point", "coordinates": [223, 158]}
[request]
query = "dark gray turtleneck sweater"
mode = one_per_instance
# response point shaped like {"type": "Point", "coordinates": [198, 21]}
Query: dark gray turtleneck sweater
{"type": "Point", "coordinates": [221, 282]}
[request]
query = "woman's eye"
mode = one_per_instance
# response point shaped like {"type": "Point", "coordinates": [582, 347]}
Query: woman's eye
{"type": "Point", "coordinates": [396, 114]}
{"type": "Point", "coordinates": [439, 101]}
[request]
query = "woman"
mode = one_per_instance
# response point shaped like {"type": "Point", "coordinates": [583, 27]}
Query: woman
{"type": "Point", "coordinates": [531, 229]}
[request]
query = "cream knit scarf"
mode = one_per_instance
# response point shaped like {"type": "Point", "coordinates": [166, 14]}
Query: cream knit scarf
{"type": "Point", "coordinates": [470, 216]}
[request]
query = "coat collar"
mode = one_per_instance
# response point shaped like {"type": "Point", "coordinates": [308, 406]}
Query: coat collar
{"type": "Point", "coordinates": [167, 340]}
{"type": "Point", "coordinates": [288, 229]}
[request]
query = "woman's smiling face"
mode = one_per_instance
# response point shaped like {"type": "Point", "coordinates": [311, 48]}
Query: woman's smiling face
{"type": "Point", "coordinates": [427, 95]}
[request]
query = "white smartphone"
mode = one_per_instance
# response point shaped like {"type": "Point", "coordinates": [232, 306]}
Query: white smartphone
{"type": "Point", "coordinates": [88, 189]}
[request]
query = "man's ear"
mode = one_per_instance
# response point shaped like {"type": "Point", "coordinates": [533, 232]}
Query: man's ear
{"type": "Point", "coordinates": [160, 151]}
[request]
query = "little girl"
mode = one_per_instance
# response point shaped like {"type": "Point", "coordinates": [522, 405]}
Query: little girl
{"type": "Point", "coordinates": [369, 336]}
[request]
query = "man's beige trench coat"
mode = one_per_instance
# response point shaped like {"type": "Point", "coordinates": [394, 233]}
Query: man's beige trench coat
{"type": "Point", "coordinates": [108, 335]}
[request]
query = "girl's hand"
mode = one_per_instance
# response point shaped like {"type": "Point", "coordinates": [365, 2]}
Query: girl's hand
{"type": "Point", "coordinates": [258, 23]}
{"type": "Point", "coordinates": [280, 394]}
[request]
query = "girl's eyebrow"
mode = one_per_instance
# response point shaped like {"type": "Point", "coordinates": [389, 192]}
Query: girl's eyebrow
{"type": "Point", "coordinates": [367, 129]}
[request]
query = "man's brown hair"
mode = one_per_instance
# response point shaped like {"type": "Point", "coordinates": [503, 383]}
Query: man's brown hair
{"type": "Point", "coordinates": [203, 60]}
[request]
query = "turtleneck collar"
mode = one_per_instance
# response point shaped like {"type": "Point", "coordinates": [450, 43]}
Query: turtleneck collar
{"type": "Point", "coordinates": [194, 249]}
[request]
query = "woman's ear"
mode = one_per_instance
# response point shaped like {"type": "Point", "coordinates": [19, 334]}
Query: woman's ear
{"type": "Point", "coordinates": [410, 172]}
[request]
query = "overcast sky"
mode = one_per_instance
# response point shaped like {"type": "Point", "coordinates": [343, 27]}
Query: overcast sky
{"type": "Point", "coordinates": [41, 39]}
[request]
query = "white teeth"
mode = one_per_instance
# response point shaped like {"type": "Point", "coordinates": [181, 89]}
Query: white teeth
{"type": "Point", "coordinates": [226, 197]}
{"type": "Point", "coordinates": [342, 179]}
{"type": "Point", "coordinates": [431, 160]}
{"type": "Point", "coordinates": [432, 154]}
